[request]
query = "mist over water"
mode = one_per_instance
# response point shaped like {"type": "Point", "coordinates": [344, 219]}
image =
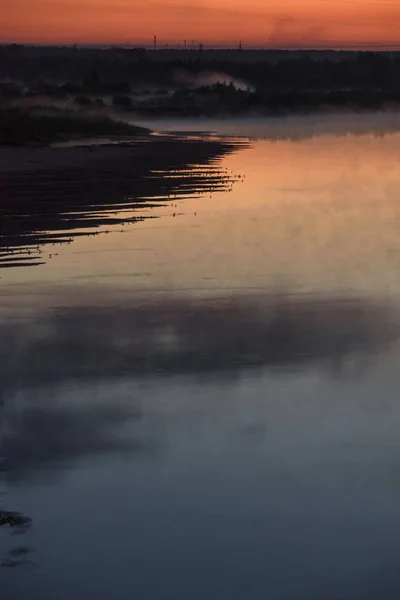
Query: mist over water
{"type": "Point", "coordinates": [208, 78]}
{"type": "Point", "coordinates": [203, 404]}
{"type": "Point", "coordinates": [293, 127]}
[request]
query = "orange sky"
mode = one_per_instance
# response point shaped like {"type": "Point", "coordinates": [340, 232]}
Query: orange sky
{"type": "Point", "coordinates": [263, 23]}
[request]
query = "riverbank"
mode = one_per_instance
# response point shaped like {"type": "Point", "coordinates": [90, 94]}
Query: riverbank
{"type": "Point", "coordinates": [20, 127]}
{"type": "Point", "coordinates": [53, 194]}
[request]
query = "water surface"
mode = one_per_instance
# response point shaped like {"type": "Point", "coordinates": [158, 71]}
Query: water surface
{"type": "Point", "coordinates": [204, 405]}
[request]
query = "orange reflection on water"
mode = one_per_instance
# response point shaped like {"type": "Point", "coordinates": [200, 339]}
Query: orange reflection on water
{"type": "Point", "coordinates": [315, 215]}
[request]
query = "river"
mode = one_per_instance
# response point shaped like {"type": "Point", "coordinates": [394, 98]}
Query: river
{"type": "Point", "coordinates": [203, 404]}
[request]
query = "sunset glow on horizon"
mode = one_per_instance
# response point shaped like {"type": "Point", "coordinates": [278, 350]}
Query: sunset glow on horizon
{"type": "Point", "coordinates": [292, 23]}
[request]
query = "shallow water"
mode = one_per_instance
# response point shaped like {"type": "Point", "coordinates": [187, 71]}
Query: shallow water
{"type": "Point", "coordinates": [204, 405]}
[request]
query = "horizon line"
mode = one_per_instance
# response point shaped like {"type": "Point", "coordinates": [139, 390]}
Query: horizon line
{"type": "Point", "coordinates": [179, 47]}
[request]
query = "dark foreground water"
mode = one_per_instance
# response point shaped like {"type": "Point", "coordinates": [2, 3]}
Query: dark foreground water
{"type": "Point", "coordinates": [205, 405]}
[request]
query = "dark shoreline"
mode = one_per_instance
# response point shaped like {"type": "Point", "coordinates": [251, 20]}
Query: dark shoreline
{"type": "Point", "coordinates": [51, 195]}
{"type": "Point", "coordinates": [24, 127]}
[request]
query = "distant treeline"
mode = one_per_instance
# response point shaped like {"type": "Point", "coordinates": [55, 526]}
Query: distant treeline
{"type": "Point", "coordinates": [267, 82]}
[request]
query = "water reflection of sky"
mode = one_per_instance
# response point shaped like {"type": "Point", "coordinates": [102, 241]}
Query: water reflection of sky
{"type": "Point", "coordinates": [174, 432]}
{"type": "Point", "coordinates": [316, 215]}
{"type": "Point", "coordinates": [209, 340]}
{"type": "Point", "coordinates": [248, 438]}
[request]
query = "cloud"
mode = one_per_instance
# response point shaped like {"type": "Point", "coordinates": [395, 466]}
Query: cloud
{"type": "Point", "coordinates": [288, 31]}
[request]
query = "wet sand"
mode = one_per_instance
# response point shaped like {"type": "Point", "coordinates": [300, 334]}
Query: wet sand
{"type": "Point", "coordinates": [178, 148]}
{"type": "Point", "coordinates": [70, 191]}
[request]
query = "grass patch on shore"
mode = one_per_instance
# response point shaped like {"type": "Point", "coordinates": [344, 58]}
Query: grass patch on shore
{"type": "Point", "coordinates": [20, 127]}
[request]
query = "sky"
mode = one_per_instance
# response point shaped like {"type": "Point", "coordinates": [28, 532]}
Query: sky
{"type": "Point", "coordinates": [257, 23]}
